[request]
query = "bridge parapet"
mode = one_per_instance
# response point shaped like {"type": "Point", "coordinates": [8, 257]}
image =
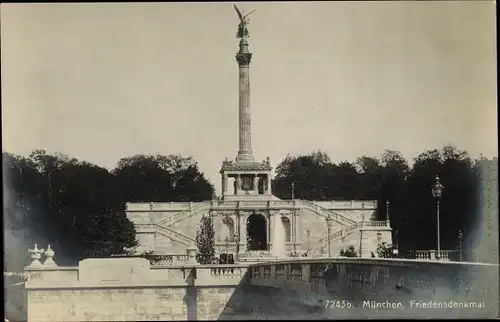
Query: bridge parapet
{"type": "Point", "coordinates": [131, 272]}
{"type": "Point", "coordinates": [405, 277]}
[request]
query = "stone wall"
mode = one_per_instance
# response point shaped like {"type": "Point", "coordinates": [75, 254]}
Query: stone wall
{"type": "Point", "coordinates": [188, 217]}
{"type": "Point", "coordinates": [350, 288]}
{"type": "Point", "coordinates": [317, 227]}
{"type": "Point", "coordinates": [130, 289]}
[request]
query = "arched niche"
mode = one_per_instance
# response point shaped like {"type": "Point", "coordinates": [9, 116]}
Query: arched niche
{"type": "Point", "coordinates": [287, 227]}
{"type": "Point", "coordinates": [228, 224]}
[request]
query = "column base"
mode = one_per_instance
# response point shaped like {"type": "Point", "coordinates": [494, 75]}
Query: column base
{"type": "Point", "coordinates": [245, 156]}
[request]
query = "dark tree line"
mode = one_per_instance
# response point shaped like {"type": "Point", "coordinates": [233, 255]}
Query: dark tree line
{"type": "Point", "coordinates": [79, 208]}
{"type": "Point", "coordinates": [390, 178]}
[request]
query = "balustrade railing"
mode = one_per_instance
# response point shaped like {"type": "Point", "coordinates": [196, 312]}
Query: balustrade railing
{"type": "Point", "coordinates": [157, 206]}
{"type": "Point", "coordinates": [327, 213]}
{"type": "Point", "coordinates": [316, 272]}
{"type": "Point", "coordinates": [255, 272]}
{"type": "Point", "coordinates": [267, 272]}
{"type": "Point", "coordinates": [168, 232]}
{"type": "Point", "coordinates": [191, 211]}
{"type": "Point", "coordinates": [296, 272]}
{"type": "Point", "coordinates": [227, 271]}
{"type": "Point", "coordinates": [170, 259]}
{"type": "Point", "coordinates": [350, 229]}
{"type": "Point", "coordinates": [429, 254]}
{"type": "Point", "coordinates": [280, 271]}
{"type": "Point", "coordinates": [383, 223]}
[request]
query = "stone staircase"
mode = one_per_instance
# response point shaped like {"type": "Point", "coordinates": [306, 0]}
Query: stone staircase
{"type": "Point", "coordinates": [346, 231]}
{"type": "Point", "coordinates": [185, 214]}
{"type": "Point", "coordinates": [256, 257]}
{"type": "Point", "coordinates": [169, 233]}
{"type": "Point", "coordinates": [340, 219]}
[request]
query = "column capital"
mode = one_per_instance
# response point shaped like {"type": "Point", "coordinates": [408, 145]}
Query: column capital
{"type": "Point", "coordinates": [243, 59]}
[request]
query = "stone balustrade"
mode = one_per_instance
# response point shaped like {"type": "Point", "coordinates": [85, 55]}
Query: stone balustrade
{"type": "Point", "coordinates": [159, 206]}
{"type": "Point", "coordinates": [350, 204]}
{"type": "Point", "coordinates": [223, 204]}
{"type": "Point", "coordinates": [442, 255]}
{"type": "Point", "coordinates": [128, 271]}
{"type": "Point", "coordinates": [131, 288]}
{"type": "Point", "coordinates": [411, 279]}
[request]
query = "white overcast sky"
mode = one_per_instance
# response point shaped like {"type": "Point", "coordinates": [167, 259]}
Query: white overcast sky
{"type": "Point", "coordinates": [104, 81]}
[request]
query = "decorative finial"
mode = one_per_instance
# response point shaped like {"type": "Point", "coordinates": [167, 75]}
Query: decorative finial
{"type": "Point", "coordinates": [49, 257]}
{"type": "Point", "coordinates": [191, 253]}
{"type": "Point", "coordinates": [35, 255]}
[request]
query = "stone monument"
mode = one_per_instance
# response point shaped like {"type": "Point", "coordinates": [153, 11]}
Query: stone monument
{"type": "Point", "coordinates": [249, 221]}
{"type": "Point", "coordinates": [251, 178]}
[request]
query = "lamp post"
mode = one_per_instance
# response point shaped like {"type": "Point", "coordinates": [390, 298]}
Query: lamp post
{"type": "Point", "coordinates": [395, 249]}
{"type": "Point", "coordinates": [237, 240]}
{"type": "Point", "coordinates": [308, 240]}
{"type": "Point", "coordinates": [329, 225]}
{"type": "Point", "coordinates": [227, 249]}
{"type": "Point", "coordinates": [460, 238]}
{"type": "Point", "coordinates": [437, 191]}
{"type": "Point", "coordinates": [387, 212]}
{"type": "Point", "coordinates": [294, 222]}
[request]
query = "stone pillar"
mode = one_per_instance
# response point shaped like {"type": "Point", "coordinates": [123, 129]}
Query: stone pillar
{"type": "Point", "coordinates": [245, 145]}
{"type": "Point", "coordinates": [224, 184]}
{"type": "Point", "coordinates": [269, 228]}
{"type": "Point", "coordinates": [191, 253]}
{"type": "Point", "coordinates": [237, 184]}
{"type": "Point", "coordinates": [268, 186]}
{"type": "Point", "coordinates": [243, 231]}
{"type": "Point", "coordinates": [295, 231]}
{"type": "Point", "coordinates": [256, 183]}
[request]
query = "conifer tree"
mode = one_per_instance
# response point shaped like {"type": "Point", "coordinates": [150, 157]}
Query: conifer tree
{"type": "Point", "coordinates": [205, 241]}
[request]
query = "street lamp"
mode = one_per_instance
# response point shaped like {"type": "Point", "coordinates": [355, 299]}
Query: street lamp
{"type": "Point", "coordinates": [237, 240]}
{"type": "Point", "coordinates": [308, 240]}
{"type": "Point", "coordinates": [227, 250]}
{"type": "Point", "coordinates": [387, 212]}
{"type": "Point", "coordinates": [437, 191]}
{"type": "Point", "coordinates": [293, 190]}
{"type": "Point", "coordinates": [395, 249]}
{"type": "Point", "coordinates": [329, 225]}
{"type": "Point", "coordinates": [460, 238]}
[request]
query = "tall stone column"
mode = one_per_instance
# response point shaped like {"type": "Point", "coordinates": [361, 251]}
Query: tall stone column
{"type": "Point", "coordinates": [243, 57]}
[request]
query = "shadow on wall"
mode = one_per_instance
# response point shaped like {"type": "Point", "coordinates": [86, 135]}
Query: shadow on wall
{"type": "Point", "coordinates": [15, 302]}
{"type": "Point", "coordinates": [414, 290]}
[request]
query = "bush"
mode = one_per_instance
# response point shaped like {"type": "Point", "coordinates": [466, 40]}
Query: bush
{"type": "Point", "coordinates": [349, 252]}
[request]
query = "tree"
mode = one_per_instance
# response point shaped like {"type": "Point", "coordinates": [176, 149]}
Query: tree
{"type": "Point", "coordinates": [390, 178]}
{"type": "Point", "coordinates": [161, 179]}
{"type": "Point", "coordinates": [74, 206]}
{"type": "Point", "coordinates": [205, 241]}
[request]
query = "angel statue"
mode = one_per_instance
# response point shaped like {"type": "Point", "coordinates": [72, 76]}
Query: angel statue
{"type": "Point", "coordinates": [244, 21]}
